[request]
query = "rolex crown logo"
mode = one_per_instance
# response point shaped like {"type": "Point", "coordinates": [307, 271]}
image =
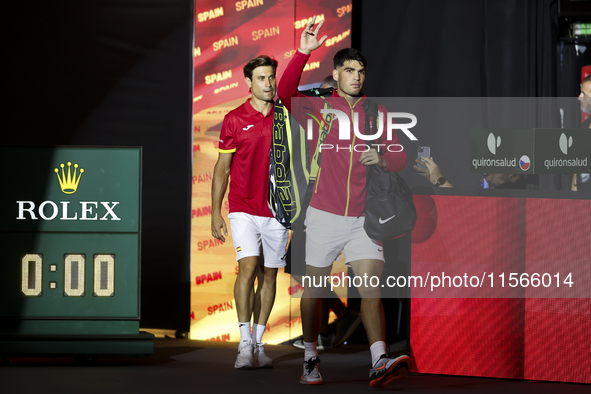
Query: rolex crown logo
{"type": "Point", "coordinates": [69, 184]}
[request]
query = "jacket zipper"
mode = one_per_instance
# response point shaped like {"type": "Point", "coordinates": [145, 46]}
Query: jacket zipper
{"type": "Point", "coordinates": [350, 159]}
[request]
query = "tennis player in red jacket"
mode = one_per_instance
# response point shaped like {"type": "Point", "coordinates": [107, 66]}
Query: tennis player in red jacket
{"type": "Point", "coordinates": [334, 221]}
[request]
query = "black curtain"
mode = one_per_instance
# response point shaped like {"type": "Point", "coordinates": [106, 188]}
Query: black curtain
{"type": "Point", "coordinates": [465, 48]}
{"type": "Point", "coordinates": [458, 48]}
{"type": "Point", "coordinates": [114, 73]}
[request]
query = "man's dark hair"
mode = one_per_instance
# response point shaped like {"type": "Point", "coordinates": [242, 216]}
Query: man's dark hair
{"type": "Point", "coordinates": [587, 79]}
{"type": "Point", "coordinates": [259, 61]}
{"type": "Point", "coordinates": [348, 54]}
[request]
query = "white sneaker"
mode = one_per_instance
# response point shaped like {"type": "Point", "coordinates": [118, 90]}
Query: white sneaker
{"type": "Point", "coordinates": [260, 358]}
{"type": "Point", "coordinates": [311, 372]}
{"type": "Point", "coordinates": [245, 359]}
{"type": "Point", "coordinates": [324, 342]}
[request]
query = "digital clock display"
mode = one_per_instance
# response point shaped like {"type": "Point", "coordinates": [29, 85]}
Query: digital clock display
{"type": "Point", "coordinates": [70, 234]}
{"type": "Point", "coordinates": [74, 279]}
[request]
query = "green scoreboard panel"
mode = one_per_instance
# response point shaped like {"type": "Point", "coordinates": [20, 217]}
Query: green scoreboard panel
{"type": "Point", "coordinates": [70, 242]}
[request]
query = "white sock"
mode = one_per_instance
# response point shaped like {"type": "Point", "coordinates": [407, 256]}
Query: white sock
{"type": "Point", "coordinates": [244, 331]}
{"type": "Point", "coordinates": [310, 350]}
{"type": "Point", "coordinates": [257, 332]}
{"type": "Point", "coordinates": [377, 349]}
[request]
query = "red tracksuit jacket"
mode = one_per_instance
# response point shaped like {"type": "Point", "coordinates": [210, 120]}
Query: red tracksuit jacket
{"type": "Point", "coordinates": [341, 179]}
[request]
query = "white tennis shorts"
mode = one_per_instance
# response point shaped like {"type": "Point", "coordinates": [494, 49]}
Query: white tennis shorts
{"type": "Point", "coordinates": [327, 235]}
{"type": "Point", "coordinates": [252, 233]}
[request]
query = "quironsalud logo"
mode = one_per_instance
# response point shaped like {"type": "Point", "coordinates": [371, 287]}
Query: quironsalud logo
{"type": "Point", "coordinates": [565, 143]}
{"type": "Point", "coordinates": [69, 183]}
{"type": "Point", "coordinates": [493, 143]}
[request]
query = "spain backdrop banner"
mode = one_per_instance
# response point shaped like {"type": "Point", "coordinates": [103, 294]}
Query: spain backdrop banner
{"type": "Point", "coordinates": [227, 35]}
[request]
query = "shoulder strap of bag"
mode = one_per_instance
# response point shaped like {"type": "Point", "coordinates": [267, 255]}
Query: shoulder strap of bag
{"type": "Point", "coordinates": [325, 126]}
{"type": "Point", "coordinates": [315, 162]}
{"type": "Point", "coordinates": [371, 110]}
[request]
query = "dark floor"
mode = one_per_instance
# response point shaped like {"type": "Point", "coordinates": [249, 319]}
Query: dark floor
{"type": "Point", "coordinates": [184, 366]}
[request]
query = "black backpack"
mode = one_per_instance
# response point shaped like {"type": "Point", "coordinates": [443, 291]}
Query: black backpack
{"type": "Point", "coordinates": [389, 208]}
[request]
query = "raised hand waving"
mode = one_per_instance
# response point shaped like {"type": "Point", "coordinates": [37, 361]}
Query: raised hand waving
{"type": "Point", "coordinates": [309, 40]}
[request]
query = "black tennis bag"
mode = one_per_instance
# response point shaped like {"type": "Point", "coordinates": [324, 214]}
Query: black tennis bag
{"type": "Point", "coordinates": [389, 209]}
{"type": "Point", "coordinates": [292, 170]}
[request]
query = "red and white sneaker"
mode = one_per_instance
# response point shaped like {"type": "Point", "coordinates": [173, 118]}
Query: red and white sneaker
{"type": "Point", "coordinates": [388, 369]}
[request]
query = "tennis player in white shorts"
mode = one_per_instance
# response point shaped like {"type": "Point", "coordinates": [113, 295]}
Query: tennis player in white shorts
{"type": "Point", "coordinates": [328, 235]}
{"type": "Point", "coordinates": [251, 233]}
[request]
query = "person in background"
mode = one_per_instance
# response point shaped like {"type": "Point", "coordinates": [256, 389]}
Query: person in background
{"type": "Point", "coordinates": [427, 167]}
{"type": "Point", "coordinates": [581, 181]}
{"type": "Point", "coordinates": [329, 82]}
